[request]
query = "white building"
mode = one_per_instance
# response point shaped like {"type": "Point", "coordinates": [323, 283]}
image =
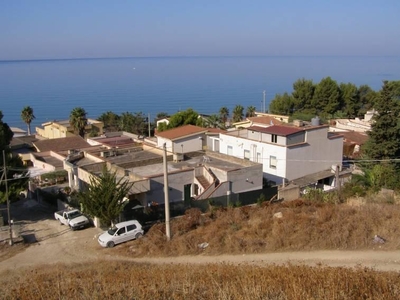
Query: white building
{"type": "Point", "coordinates": [286, 152]}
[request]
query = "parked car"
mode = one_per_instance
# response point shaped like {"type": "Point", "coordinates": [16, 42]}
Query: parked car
{"type": "Point", "coordinates": [121, 232]}
{"type": "Point", "coordinates": [72, 218]}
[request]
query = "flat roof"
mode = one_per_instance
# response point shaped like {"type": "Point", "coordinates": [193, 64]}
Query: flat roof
{"type": "Point", "coordinates": [211, 162]}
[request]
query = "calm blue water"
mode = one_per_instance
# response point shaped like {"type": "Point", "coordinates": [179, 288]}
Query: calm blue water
{"type": "Point", "coordinates": [151, 85]}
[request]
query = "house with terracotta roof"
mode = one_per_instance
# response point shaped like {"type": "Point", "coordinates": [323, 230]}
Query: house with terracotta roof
{"type": "Point", "coordinates": [183, 139]}
{"type": "Point", "coordinates": [286, 152]}
{"type": "Point", "coordinates": [264, 120]}
{"type": "Point", "coordinates": [352, 143]}
{"type": "Point", "coordinates": [188, 138]}
{"type": "Point", "coordinates": [60, 144]}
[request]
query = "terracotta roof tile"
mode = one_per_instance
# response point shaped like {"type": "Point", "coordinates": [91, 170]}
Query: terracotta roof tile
{"type": "Point", "coordinates": [60, 144]}
{"type": "Point", "coordinates": [180, 132]}
{"type": "Point", "coordinates": [277, 129]}
{"type": "Point", "coordinates": [265, 120]}
{"type": "Point", "coordinates": [354, 137]}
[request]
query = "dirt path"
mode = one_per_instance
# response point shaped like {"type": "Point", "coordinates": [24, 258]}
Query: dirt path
{"type": "Point", "coordinates": [378, 260]}
{"type": "Point", "coordinates": [53, 243]}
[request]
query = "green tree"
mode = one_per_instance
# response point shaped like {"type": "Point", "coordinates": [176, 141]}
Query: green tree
{"type": "Point", "coordinates": [303, 93]}
{"type": "Point", "coordinates": [161, 115]}
{"type": "Point", "coordinates": [78, 120]}
{"type": "Point", "coordinates": [282, 104]}
{"type": "Point", "coordinates": [104, 196]}
{"type": "Point", "coordinates": [185, 117]}
{"type": "Point", "coordinates": [350, 99]}
{"type": "Point", "coordinates": [395, 89]}
{"type": "Point", "coordinates": [326, 97]}
{"type": "Point", "coordinates": [238, 113]}
{"type": "Point", "coordinates": [251, 111]}
{"type": "Point", "coordinates": [27, 116]}
{"type": "Point", "coordinates": [384, 137]}
{"type": "Point", "coordinates": [16, 171]}
{"type": "Point", "coordinates": [134, 123]}
{"type": "Point", "coordinates": [110, 121]}
{"type": "Point", "coordinates": [6, 134]}
{"type": "Point", "coordinates": [224, 114]}
{"type": "Point", "coordinates": [368, 99]}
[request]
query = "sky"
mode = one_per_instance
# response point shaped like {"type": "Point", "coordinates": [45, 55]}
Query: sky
{"type": "Point", "coordinates": [55, 29]}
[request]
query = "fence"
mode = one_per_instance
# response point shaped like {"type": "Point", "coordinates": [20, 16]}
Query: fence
{"type": "Point", "coordinates": [155, 213]}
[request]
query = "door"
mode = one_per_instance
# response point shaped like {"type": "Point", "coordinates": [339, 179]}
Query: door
{"type": "Point", "coordinates": [120, 236]}
{"type": "Point", "coordinates": [186, 192]}
{"type": "Point", "coordinates": [216, 146]}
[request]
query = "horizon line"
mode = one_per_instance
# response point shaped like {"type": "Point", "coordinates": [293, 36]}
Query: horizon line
{"type": "Point", "coordinates": [184, 56]}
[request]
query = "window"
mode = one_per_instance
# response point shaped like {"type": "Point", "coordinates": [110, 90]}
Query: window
{"type": "Point", "coordinates": [274, 138]}
{"type": "Point", "coordinates": [272, 162]}
{"type": "Point", "coordinates": [121, 231]}
{"type": "Point", "coordinates": [247, 154]}
{"type": "Point", "coordinates": [131, 227]}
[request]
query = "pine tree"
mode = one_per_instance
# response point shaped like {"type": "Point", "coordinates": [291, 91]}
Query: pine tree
{"type": "Point", "coordinates": [384, 137]}
{"type": "Point", "coordinates": [104, 196]}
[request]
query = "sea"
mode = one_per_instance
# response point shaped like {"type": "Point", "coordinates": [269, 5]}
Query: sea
{"type": "Point", "coordinates": [152, 85]}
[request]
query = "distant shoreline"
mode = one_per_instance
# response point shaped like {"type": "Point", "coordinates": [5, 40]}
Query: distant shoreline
{"type": "Point", "coordinates": [193, 56]}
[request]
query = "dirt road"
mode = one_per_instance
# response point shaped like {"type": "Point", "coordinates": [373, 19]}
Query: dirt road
{"type": "Point", "coordinates": [54, 243]}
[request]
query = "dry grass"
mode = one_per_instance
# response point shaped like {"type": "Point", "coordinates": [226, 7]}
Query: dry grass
{"type": "Point", "coordinates": [304, 226]}
{"type": "Point", "coordinates": [117, 280]}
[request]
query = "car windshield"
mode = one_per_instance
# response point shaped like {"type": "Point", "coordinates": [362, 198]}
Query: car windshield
{"type": "Point", "coordinates": [74, 214]}
{"type": "Point", "coordinates": [112, 230]}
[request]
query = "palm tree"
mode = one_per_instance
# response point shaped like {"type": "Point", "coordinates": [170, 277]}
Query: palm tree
{"type": "Point", "coordinates": [27, 116]}
{"type": "Point", "coordinates": [224, 114]}
{"type": "Point", "coordinates": [78, 120]}
{"type": "Point", "coordinates": [238, 113]}
{"type": "Point", "coordinates": [213, 121]}
{"type": "Point", "coordinates": [251, 111]}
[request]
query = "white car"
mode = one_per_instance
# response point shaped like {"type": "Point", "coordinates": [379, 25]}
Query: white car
{"type": "Point", "coordinates": [120, 233]}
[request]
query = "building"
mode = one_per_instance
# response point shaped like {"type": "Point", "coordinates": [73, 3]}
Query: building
{"type": "Point", "coordinates": [60, 129]}
{"type": "Point", "coordinates": [181, 140]}
{"type": "Point", "coordinates": [264, 120]}
{"type": "Point", "coordinates": [357, 124]}
{"type": "Point", "coordinates": [286, 152]}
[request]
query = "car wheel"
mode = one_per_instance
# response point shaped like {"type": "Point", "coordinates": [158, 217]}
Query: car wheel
{"type": "Point", "coordinates": [61, 223]}
{"type": "Point", "coordinates": [138, 235]}
{"type": "Point", "coordinates": [110, 244]}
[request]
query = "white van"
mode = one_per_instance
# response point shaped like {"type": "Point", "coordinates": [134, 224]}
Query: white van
{"type": "Point", "coordinates": [120, 233]}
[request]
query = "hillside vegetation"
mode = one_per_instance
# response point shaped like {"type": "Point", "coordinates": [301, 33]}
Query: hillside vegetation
{"type": "Point", "coordinates": [303, 226]}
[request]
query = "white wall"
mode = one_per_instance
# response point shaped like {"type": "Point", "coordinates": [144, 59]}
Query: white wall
{"type": "Point", "coordinates": [265, 149]}
{"type": "Point", "coordinates": [320, 154]}
{"type": "Point", "coordinates": [161, 141]}
{"type": "Point", "coordinates": [188, 144]}
{"type": "Point", "coordinates": [176, 183]}
{"type": "Point", "coordinates": [317, 154]}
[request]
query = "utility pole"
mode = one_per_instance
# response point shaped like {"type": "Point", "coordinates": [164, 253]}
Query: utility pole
{"type": "Point", "coordinates": [8, 201]}
{"type": "Point", "coordinates": [337, 181]}
{"type": "Point", "coordinates": [264, 101]}
{"type": "Point", "coordinates": [166, 194]}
